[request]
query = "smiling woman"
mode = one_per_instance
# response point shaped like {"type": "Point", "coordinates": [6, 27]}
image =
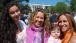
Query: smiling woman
{"type": "Point", "coordinates": [12, 30]}
{"type": "Point", "coordinates": [38, 27]}
{"type": "Point", "coordinates": [68, 27]}
{"type": "Point", "coordinates": [14, 13]}
{"type": "Point", "coordinates": [39, 19]}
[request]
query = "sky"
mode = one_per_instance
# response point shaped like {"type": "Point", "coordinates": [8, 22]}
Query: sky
{"type": "Point", "coordinates": [47, 2]}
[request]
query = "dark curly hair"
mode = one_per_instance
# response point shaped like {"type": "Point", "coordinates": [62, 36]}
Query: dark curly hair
{"type": "Point", "coordinates": [8, 28]}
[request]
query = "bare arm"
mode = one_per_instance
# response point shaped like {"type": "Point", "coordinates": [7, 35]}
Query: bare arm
{"type": "Point", "coordinates": [73, 39]}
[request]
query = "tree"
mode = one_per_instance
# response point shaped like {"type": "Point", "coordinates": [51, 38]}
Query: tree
{"type": "Point", "coordinates": [73, 5]}
{"type": "Point", "coordinates": [67, 1]}
{"type": "Point", "coordinates": [53, 8]}
{"type": "Point", "coordinates": [4, 2]}
{"type": "Point", "coordinates": [61, 7]}
{"type": "Point", "coordinates": [27, 0]}
{"type": "Point", "coordinates": [25, 9]}
{"type": "Point", "coordinates": [68, 8]}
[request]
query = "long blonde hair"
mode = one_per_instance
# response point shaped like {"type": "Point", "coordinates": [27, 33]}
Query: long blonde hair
{"type": "Point", "coordinates": [46, 24]}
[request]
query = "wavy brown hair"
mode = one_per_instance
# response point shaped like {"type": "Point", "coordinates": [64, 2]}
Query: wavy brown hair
{"type": "Point", "coordinates": [8, 28]}
{"type": "Point", "coordinates": [46, 24]}
{"type": "Point", "coordinates": [72, 24]}
{"type": "Point", "coordinates": [70, 20]}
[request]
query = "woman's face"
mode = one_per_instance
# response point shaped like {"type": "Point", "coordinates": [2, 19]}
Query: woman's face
{"type": "Point", "coordinates": [39, 19]}
{"type": "Point", "coordinates": [63, 23]}
{"type": "Point", "coordinates": [14, 13]}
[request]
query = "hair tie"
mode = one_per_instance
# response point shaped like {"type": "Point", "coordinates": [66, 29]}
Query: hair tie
{"type": "Point", "coordinates": [55, 22]}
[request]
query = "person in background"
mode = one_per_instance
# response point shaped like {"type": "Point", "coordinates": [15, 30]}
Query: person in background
{"type": "Point", "coordinates": [67, 12]}
{"type": "Point", "coordinates": [68, 27]}
{"type": "Point", "coordinates": [26, 19]}
{"type": "Point", "coordinates": [74, 16]}
{"type": "Point", "coordinates": [12, 29]}
{"type": "Point", "coordinates": [54, 33]}
{"type": "Point", "coordinates": [22, 17]}
{"type": "Point", "coordinates": [39, 24]}
{"type": "Point", "coordinates": [53, 17]}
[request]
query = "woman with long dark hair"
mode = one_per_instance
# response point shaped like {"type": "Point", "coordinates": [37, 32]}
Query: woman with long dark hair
{"type": "Point", "coordinates": [12, 29]}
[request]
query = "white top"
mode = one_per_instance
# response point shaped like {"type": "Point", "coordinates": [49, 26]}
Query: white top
{"type": "Point", "coordinates": [26, 21]}
{"type": "Point", "coordinates": [53, 40]}
{"type": "Point", "coordinates": [21, 37]}
{"type": "Point", "coordinates": [75, 18]}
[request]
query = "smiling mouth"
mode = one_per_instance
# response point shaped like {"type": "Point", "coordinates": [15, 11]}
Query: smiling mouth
{"type": "Point", "coordinates": [17, 17]}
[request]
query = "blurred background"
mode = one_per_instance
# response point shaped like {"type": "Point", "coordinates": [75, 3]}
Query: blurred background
{"type": "Point", "coordinates": [28, 6]}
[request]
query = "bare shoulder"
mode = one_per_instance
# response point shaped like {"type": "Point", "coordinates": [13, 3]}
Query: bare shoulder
{"type": "Point", "coordinates": [73, 39]}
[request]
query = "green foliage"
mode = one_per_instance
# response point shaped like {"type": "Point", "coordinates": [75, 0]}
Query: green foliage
{"type": "Point", "coordinates": [61, 7]}
{"type": "Point", "coordinates": [53, 8]}
{"type": "Point", "coordinates": [73, 5]}
{"type": "Point", "coordinates": [68, 8]}
{"type": "Point", "coordinates": [25, 8]}
{"type": "Point", "coordinates": [4, 2]}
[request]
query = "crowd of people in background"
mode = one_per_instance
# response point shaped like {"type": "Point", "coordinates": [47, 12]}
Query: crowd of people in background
{"type": "Point", "coordinates": [36, 28]}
